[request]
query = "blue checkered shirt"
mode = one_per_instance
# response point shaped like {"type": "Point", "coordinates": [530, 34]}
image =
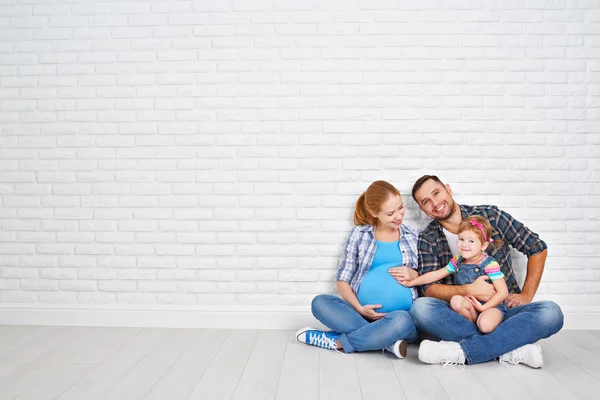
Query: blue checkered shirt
{"type": "Point", "coordinates": [360, 249]}
{"type": "Point", "coordinates": [434, 252]}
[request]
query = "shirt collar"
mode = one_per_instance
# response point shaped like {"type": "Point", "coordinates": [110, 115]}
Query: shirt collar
{"type": "Point", "coordinates": [463, 212]}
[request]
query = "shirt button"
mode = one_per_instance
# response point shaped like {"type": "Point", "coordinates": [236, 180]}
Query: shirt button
{"type": "Point", "coordinates": [476, 269]}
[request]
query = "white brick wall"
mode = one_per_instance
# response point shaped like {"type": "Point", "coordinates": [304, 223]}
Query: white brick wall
{"type": "Point", "coordinates": [209, 153]}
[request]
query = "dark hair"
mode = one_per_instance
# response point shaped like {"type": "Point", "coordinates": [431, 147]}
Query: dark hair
{"type": "Point", "coordinates": [372, 199]}
{"type": "Point", "coordinates": [486, 228]}
{"type": "Point", "coordinates": [420, 183]}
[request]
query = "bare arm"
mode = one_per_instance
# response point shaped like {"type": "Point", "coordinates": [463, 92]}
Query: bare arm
{"type": "Point", "coordinates": [480, 289]}
{"type": "Point", "coordinates": [535, 269]}
{"type": "Point", "coordinates": [429, 277]}
{"type": "Point", "coordinates": [348, 294]}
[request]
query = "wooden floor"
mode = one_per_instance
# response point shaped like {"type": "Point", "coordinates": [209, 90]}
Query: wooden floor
{"type": "Point", "coordinates": [170, 364]}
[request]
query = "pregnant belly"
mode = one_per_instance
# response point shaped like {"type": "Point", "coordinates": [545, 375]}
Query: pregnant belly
{"type": "Point", "coordinates": [379, 287]}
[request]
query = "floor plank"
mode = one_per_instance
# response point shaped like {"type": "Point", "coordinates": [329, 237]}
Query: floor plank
{"type": "Point", "coordinates": [7, 368]}
{"type": "Point", "coordinates": [376, 375]}
{"type": "Point", "coordinates": [136, 384]}
{"type": "Point", "coordinates": [299, 379]}
{"type": "Point", "coordinates": [181, 378]}
{"type": "Point", "coordinates": [32, 369]}
{"type": "Point", "coordinates": [579, 355]}
{"type": "Point", "coordinates": [541, 383]}
{"type": "Point", "coordinates": [584, 339]}
{"type": "Point", "coordinates": [222, 375]}
{"type": "Point", "coordinates": [32, 335]}
{"type": "Point", "coordinates": [36, 348]}
{"type": "Point", "coordinates": [490, 373]}
{"type": "Point", "coordinates": [170, 348]}
{"type": "Point", "coordinates": [178, 364]}
{"type": "Point", "coordinates": [418, 380]}
{"type": "Point", "coordinates": [107, 374]}
{"type": "Point", "coordinates": [584, 385]}
{"type": "Point", "coordinates": [338, 376]}
{"type": "Point", "coordinates": [57, 382]}
{"type": "Point", "coordinates": [460, 383]}
{"type": "Point", "coordinates": [261, 375]}
{"type": "Point", "coordinates": [111, 339]}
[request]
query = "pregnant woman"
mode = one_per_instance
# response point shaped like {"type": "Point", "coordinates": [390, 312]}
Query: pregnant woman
{"type": "Point", "coordinates": [373, 311]}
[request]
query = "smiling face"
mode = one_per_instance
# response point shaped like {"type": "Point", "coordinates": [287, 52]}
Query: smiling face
{"type": "Point", "coordinates": [470, 245]}
{"type": "Point", "coordinates": [391, 213]}
{"type": "Point", "coordinates": [436, 200]}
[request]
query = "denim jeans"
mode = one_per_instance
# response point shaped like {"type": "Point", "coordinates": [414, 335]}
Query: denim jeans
{"type": "Point", "coordinates": [358, 334]}
{"type": "Point", "coordinates": [521, 325]}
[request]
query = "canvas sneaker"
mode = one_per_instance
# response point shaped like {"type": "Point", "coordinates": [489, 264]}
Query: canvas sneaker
{"type": "Point", "coordinates": [315, 337]}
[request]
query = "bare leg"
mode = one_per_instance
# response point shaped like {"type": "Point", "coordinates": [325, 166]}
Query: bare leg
{"type": "Point", "coordinates": [489, 320]}
{"type": "Point", "coordinates": [462, 306]}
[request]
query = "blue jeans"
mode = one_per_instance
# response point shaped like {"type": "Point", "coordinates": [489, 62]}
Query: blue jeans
{"type": "Point", "coordinates": [521, 325]}
{"type": "Point", "coordinates": [358, 334]}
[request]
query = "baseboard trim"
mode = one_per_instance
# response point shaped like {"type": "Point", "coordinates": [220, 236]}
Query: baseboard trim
{"type": "Point", "coordinates": [215, 318]}
{"type": "Point", "coordinates": [225, 318]}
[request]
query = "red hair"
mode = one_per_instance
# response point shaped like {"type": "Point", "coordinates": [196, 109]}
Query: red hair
{"type": "Point", "coordinates": [484, 233]}
{"type": "Point", "coordinates": [372, 200]}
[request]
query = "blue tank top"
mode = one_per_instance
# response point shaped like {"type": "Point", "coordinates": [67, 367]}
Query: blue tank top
{"type": "Point", "coordinates": [379, 287]}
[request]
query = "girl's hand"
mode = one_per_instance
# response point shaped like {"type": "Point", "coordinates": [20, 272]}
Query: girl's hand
{"type": "Point", "coordinates": [407, 283]}
{"type": "Point", "coordinates": [476, 304]}
{"type": "Point", "coordinates": [402, 274]}
{"type": "Point", "coordinates": [368, 311]}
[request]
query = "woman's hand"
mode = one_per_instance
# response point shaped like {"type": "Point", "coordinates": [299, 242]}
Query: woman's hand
{"type": "Point", "coordinates": [476, 304]}
{"type": "Point", "coordinates": [368, 311]}
{"type": "Point", "coordinates": [402, 274]}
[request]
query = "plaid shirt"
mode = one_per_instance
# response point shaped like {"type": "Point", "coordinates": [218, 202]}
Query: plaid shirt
{"type": "Point", "coordinates": [360, 249]}
{"type": "Point", "coordinates": [434, 252]}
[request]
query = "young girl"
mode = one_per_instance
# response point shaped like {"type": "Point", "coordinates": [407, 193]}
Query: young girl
{"type": "Point", "coordinates": [373, 311]}
{"type": "Point", "coordinates": [474, 237]}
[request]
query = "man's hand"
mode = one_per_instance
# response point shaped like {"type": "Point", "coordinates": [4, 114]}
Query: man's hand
{"type": "Point", "coordinates": [518, 299]}
{"type": "Point", "coordinates": [368, 311]}
{"type": "Point", "coordinates": [481, 289]}
{"type": "Point", "coordinates": [403, 273]}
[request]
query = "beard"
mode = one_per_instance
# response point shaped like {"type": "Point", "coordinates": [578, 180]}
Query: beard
{"type": "Point", "coordinates": [451, 212]}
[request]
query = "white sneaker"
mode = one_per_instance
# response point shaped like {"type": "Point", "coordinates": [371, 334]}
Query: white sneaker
{"type": "Point", "coordinates": [530, 354]}
{"type": "Point", "coordinates": [398, 348]}
{"type": "Point", "coordinates": [446, 353]}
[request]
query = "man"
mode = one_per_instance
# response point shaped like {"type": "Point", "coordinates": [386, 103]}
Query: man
{"type": "Point", "coordinates": [524, 322]}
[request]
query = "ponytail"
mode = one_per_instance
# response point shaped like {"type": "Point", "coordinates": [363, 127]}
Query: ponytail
{"type": "Point", "coordinates": [361, 215]}
{"type": "Point", "coordinates": [372, 199]}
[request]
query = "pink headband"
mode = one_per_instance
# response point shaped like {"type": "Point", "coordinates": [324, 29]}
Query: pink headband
{"type": "Point", "coordinates": [477, 224]}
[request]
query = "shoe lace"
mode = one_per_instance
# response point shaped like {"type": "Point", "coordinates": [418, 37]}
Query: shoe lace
{"type": "Point", "coordinates": [323, 341]}
{"type": "Point", "coordinates": [453, 361]}
{"type": "Point", "coordinates": [514, 357]}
